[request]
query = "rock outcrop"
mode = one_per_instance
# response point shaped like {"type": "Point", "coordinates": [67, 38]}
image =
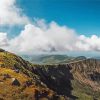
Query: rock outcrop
{"type": "Point", "coordinates": [15, 82]}
{"type": "Point", "coordinates": [2, 50]}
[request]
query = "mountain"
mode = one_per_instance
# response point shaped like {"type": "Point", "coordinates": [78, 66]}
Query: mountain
{"type": "Point", "coordinates": [77, 80]}
{"type": "Point", "coordinates": [46, 58]}
{"type": "Point", "coordinates": [22, 80]}
{"type": "Point", "coordinates": [51, 58]}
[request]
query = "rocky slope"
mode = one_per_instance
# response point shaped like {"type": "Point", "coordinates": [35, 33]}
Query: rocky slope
{"type": "Point", "coordinates": [21, 80]}
{"type": "Point", "coordinates": [17, 82]}
{"type": "Point", "coordinates": [77, 80]}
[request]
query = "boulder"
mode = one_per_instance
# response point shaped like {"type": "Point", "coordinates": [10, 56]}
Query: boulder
{"type": "Point", "coordinates": [15, 82]}
{"type": "Point", "coordinates": [1, 50]}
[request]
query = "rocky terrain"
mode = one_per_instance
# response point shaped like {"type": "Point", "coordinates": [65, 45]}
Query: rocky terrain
{"type": "Point", "coordinates": [21, 80]}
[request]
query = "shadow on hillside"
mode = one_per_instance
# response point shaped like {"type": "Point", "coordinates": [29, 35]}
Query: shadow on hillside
{"type": "Point", "coordinates": [57, 78]}
{"type": "Point", "coordinates": [95, 76]}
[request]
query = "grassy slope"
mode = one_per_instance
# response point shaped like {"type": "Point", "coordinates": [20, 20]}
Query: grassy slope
{"type": "Point", "coordinates": [9, 92]}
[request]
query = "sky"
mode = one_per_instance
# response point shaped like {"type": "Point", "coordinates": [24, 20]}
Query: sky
{"type": "Point", "coordinates": [82, 15]}
{"type": "Point", "coordinates": [29, 26]}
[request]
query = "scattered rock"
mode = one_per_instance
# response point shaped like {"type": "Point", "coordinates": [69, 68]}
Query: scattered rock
{"type": "Point", "coordinates": [6, 76]}
{"type": "Point", "coordinates": [28, 83]}
{"type": "Point", "coordinates": [41, 94]}
{"type": "Point", "coordinates": [1, 98]}
{"type": "Point", "coordinates": [16, 70]}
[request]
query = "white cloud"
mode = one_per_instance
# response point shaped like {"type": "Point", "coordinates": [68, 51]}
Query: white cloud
{"type": "Point", "coordinates": [43, 37]}
{"type": "Point", "coordinates": [40, 36]}
{"type": "Point", "coordinates": [37, 38]}
{"type": "Point", "coordinates": [88, 43]}
{"type": "Point", "coordinates": [10, 14]}
{"type": "Point", "coordinates": [3, 40]}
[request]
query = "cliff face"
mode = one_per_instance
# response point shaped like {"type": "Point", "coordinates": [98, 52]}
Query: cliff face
{"type": "Point", "coordinates": [65, 78]}
{"type": "Point", "coordinates": [87, 65]}
{"type": "Point", "coordinates": [87, 72]}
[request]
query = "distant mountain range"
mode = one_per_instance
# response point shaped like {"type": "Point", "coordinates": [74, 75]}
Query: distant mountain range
{"type": "Point", "coordinates": [78, 79]}
{"type": "Point", "coordinates": [51, 59]}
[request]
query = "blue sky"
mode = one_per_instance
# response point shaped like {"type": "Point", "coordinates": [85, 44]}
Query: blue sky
{"type": "Point", "coordinates": [28, 26]}
{"type": "Point", "coordinates": [82, 15]}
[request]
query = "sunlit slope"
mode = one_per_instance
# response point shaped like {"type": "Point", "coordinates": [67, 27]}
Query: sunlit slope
{"type": "Point", "coordinates": [17, 82]}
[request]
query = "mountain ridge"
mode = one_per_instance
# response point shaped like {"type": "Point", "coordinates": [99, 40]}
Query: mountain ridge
{"type": "Point", "coordinates": [78, 80]}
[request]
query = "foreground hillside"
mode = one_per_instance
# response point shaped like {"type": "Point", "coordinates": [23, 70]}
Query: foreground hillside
{"type": "Point", "coordinates": [21, 80]}
{"type": "Point", "coordinates": [17, 82]}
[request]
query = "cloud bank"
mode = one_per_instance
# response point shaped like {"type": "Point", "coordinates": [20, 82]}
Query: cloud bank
{"type": "Point", "coordinates": [41, 36]}
{"type": "Point", "coordinates": [3, 39]}
{"type": "Point", "coordinates": [10, 14]}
